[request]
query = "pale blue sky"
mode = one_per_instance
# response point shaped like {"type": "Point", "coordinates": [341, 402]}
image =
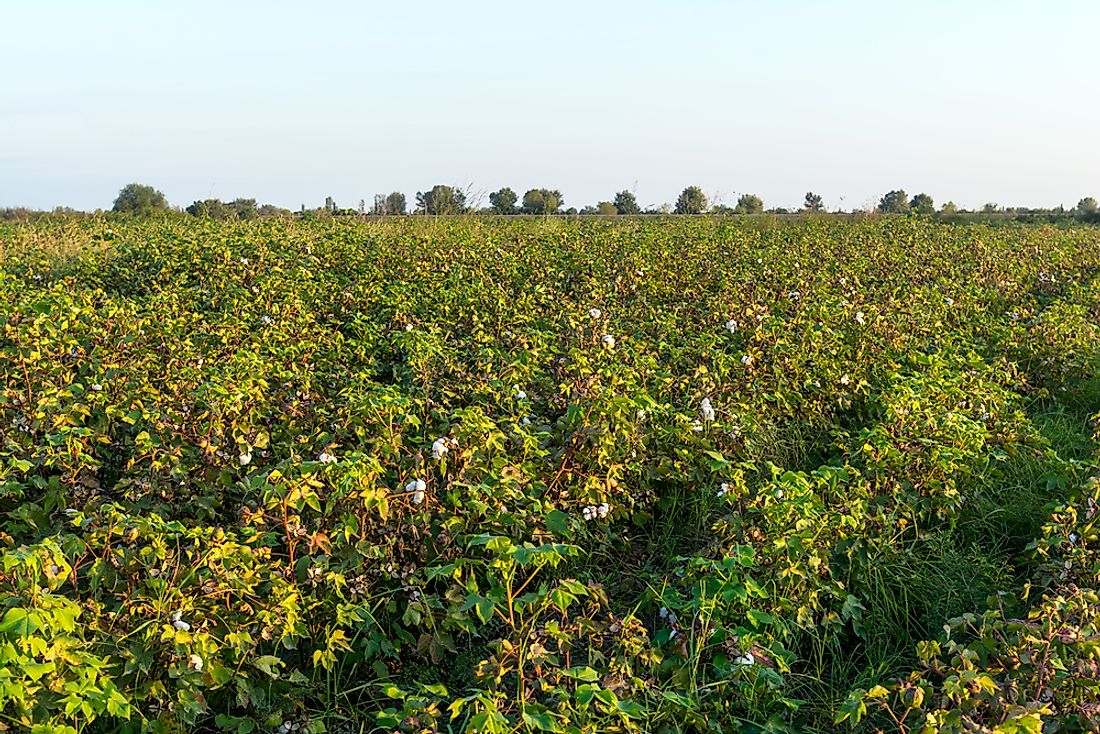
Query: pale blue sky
{"type": "Point", "coordinates": [289, 102]}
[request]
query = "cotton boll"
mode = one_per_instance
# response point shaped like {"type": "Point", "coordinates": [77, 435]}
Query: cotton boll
{"type": "Point", "coordinates": [326, 458]}
{"type": "Point", "coordinates": [746, 659]}
{"type": "Point", "coordinates": [595, 313]}
{"type": "Point", "coordinates": [439, 448]}
{"type": "Point", "coordinates": [195, 663]}
{"type": "Point", "coordinates": [245, 458]}
{"type": "Point", "coordinates": [608, 340]}
{"type": "Point", "coordinates": [706, 409]}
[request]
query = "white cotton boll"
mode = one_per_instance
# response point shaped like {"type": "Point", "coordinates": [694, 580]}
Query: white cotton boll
{"type": "Point", "coordinates": [416, 485]}
{"type": "Point", "coordinates": [949, 301]}
{"type": "Point", "coordinates": [326, 458]}
{"type": "Point", "coordinates": [608, 340]}
{"type": "Point", "coordinates": [439, 448]}
{"type": "Point", "coordinates": [525, 421]}
{"type": "Point", "coordinates": [418, 497]}
{"type": "Point", "coordinates": [723, 490]}
{"type": "Point", "coordinates": [182, 626]}
{"type": "Point", "coordinates": [662, 612]}
{"type": "Point", "coordinates": [697, 427]}
{"type": "Point", "coordinates": [96, 387]}
{"type": "Point", "coordinates": [859, 318]}
{"type": "Point", "coordinates": [244, 261]}
{"type": "Point", "coordinates": [267, 319]}
{"type": "Point", "coordinates": [1073, 537]}
{"type": "Point", "coordinates": [845, 380]}
{"type": "Point", "coordinates": [747, 360]}
{"type": "Point", "coordinates": [245, 458]}
{"type": "Point", "coordinates": [731, 325]}
{"type": "Point", "coordinates": [588, 513]}
{"type": "Point", "coordinates": [521, 395]}
{"type": "Point", "coordinates": [595, 313]}
{"type": "Point", "coordinates": [603, 510]}
{"type": "Point", "coordinates": [746, 659]}
{"type": "Point", "coordinates": [408, 327]}
{"type": "Point", "coordinates": [195, 663]}
{"type": "Point", "coordinates": [706, 410]}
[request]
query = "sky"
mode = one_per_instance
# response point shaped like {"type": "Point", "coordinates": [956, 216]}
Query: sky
{"type": "Point", "coordinates": [974, 101]}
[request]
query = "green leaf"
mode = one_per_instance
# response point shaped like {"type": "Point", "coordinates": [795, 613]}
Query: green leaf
{"type": "Point", "coordinates": [558, 522]}
{"type": "Point", "coordinates": [583, 673]}
{"type": "Point", "coordinates": [542, 722]}
{"type": "Point", "coordinates": [36, 670]}
{"type": "Point", "coordinates": [268, 664]}
{"type": "Point", "coordinates": [17, 621]}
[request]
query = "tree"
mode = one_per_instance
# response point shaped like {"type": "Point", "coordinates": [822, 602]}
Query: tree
{"type": "Point", "coordinates": [503, 201]}
{"type": "Point", "coordinates": [441, 199]}
{"type": "Point", "coordinates": [1087, 205]}
{"type": "Point", "coordinates": [692, 201]}
{"type": "Point", "coordinates": [895, 202]}
{"type": "Point", "coordinates": [813, 202]}
{"type": "Point", "coordinates": [394, 203]}
{"type": "Point", "coordinates": [949, 208]}
{"type": "Point", "coordinates": [991, 208]}
{"type": "Point", "coordinates": [749, 204]}
{"type": "Point", "coordinates": [208, 208]}
{"type": "Point", "coordinates": [140, 199]}
{"type": "Point", "coordinates": [606, 208]}
{"type": "Point", "coordinates": [922, 204]}
{"type": "Point", "coordinates": [626, 203]}
{"type": "Point", "coordinates": [542, 201]}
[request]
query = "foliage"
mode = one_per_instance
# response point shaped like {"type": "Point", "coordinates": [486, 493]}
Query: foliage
{"type": "Point", "coordinates": [392, 204]}
{"type": "Point", "coordinates": [626, 203]}
{"type": "Point", "coordinates": [503, 201]}
{"type": "Point", "coordinates": [922, 204]}
{"type": "Point", "coordinates": [542, 201]}
{"type": "Point", "coordinates": [692, 200]}
{"type": "Point", "coordinates": [140, 200]}
{"type": "Point", "coordinates": [441, 199]}
{"type": "Point", "coordinates": [749, 204]}
{"type": "Point", "coordinates": [614, 475]}
{"type": "Point", "coordinates": [894, 202]}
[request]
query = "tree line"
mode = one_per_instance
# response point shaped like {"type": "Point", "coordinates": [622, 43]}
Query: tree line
{"type": "Point", "coordinates": [443, 199]}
